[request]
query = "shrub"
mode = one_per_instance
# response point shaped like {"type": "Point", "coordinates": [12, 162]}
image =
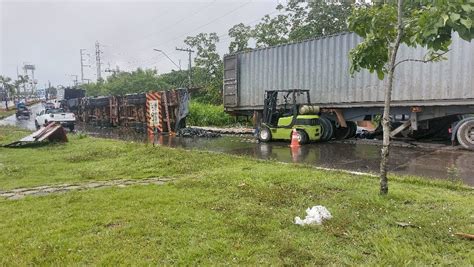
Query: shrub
{"type": "Point", "coordinates": [201, 114]}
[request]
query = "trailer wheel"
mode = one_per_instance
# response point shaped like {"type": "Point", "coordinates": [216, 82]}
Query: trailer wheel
{"type": "Point", "coordinates": [327, 131]}
{"type": "Point", "coordinates": [465, 134]}
{"type": "Point", "coordinates": [264, 134]}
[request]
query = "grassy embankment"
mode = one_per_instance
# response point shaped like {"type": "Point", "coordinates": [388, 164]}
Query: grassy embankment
{"type": "Point", "coordinates": [5, 113]}
{"type": "Point", "coordinates": [201, 114]}
{"type": "Point", "coordinates": [221, 209]}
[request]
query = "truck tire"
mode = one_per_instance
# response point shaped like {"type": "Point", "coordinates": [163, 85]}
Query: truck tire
{"type": "Point", "coordinates": [465, 134]}
{"type": "Point", "coordinates": [341, 133]}
{"type": "Point", "coordinates": [264, 134]}
{"type": "Point", "coordinates": [37, 125]}
{"type": "Point", "coordinates": [302, 137]}
{"type": "Point", "coordinates": [71, 128]}
{"type": "Point", "coordinates": [328, 130]}
{"type": "Point", "coordinates": [353, 126]}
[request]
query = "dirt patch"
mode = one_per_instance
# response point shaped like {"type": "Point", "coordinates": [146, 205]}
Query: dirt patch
{"type": "Point", "coordinates": [20, 193]}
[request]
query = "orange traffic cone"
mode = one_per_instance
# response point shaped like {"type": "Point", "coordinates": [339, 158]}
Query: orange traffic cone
{"type": "Point", "coordinates": [294, 139]}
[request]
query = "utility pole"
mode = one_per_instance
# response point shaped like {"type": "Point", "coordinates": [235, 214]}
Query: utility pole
{"type": "Point", "coordinates": [75, 79]}
{"type": "Point", "coordinates": [82, 64]}
{"type": "Point", "coordinates": [189, 64]}
{"type": "Point", "coordinates": [97, 60]}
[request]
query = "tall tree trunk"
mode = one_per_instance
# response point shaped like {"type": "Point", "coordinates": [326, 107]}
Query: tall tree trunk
{"type": "Point", "coordinates": [388, 99]}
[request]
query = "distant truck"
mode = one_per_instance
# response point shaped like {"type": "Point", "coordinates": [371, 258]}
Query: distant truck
{"type": "Point", "coordinates": [428, 99]}
{"type": "Point", "coordinates": [70, 93]}
{"type": "Point", "coordinates": [66, 119]}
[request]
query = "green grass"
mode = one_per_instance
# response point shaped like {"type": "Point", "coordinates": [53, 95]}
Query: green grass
{"type": "Point", "coordinates": [221, 209]}
{"type": "Point", "coordinates": [201, 114]}
{"type": "Point", "coordinates": [5, 113]}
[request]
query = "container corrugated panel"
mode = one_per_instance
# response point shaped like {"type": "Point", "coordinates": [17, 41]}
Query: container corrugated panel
{"type": "Point", "coordinates": [322, 65]}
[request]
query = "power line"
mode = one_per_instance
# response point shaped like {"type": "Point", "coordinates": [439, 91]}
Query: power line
{"type": "Point", "coordinates": [143, 63]}
{"type": "Point", "coordinates": [200, 27]}
{"type": "Point", "coordinates": [210, 22]}
{"type": "Point", "coordinates": [169, 26]}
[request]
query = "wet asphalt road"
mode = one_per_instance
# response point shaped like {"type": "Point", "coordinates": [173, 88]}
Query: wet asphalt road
{"type": "Point", "coordinates": [432, 162]}
{"type": "Point", "coordinates": [22, 122]}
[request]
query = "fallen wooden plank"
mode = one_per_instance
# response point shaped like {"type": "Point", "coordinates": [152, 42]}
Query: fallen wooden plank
{"type": "Point", "coordinates": [52, 132]}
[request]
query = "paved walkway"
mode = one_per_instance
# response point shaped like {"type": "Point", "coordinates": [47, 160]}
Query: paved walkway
{"type": "Point", "coordinates": [20, 193]}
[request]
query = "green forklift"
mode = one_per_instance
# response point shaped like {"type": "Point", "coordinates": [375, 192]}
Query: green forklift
{"type": "Point", "coordinates": [285, 110]}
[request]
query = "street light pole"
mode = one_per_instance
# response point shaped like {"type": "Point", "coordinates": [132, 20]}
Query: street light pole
{"type": "Point", "coordinates": [189, 51]}
{"type": "Point", "coordinates": [163, 52]}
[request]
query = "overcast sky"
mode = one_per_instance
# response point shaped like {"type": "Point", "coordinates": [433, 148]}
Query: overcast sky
{"type": "Point", "coordinates": [49, 34]}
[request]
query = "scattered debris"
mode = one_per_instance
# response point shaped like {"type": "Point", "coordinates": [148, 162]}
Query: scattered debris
{"type": "Point", "coordinates": [52, 132]}
{"type": "Point", "coordinates": [315, 215]}
{"type": "Point", "coordinates": [228, 130]}
{"type": "Point", "coordinates": [404, 224]}
{"type": "Point", "coordinates": [464, 235]}
{"type": "Point", "coordinates": [196, 132]}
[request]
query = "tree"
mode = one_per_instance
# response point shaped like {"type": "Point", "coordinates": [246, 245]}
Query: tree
{"type": "Point", "coordinates": [271, 31]}
{"type": "Point", "coordinates": [386, 25]}
{"type": "Point", "coordinates": [241, 34]}
{"type": "Point", "coordinates": [175, 79]}
{"type": "Point", "coordinates": [20, 83]}
{"type": "Point", "coordinates": [302, 20]}
{"type": "Point", "coordinates": [205, 45]}
{"type": "Point", "coordinates": [122, 83]}
{"type": "Point", "coordinates": [317, 18]}
{"type": "Point", "coordinates": [209, 69]}
{"type": "Point", "coordinates": [8, 87]}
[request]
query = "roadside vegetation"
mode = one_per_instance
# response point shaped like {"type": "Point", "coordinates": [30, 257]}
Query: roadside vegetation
{"type": "Point", "coordinates": [5, 113]}
{"type": "Point", "coordinates": [201, 114]}
{"type": "Point", "coordinates": [219, 209]}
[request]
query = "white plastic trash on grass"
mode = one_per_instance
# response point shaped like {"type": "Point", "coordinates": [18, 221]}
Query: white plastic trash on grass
{"type": "Point", "coordinates": [315, 215]}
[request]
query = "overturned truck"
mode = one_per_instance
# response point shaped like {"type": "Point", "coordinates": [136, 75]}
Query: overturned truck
{"type": "Point", "coordinates": [432, 99]}
{"type": "Point", "coordinates": [152, 112]}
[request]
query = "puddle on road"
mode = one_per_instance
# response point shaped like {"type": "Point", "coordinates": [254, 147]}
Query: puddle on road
{"type": "Point", "coordinates": [430, 163]}
{"type": "Point", "coordinates": [23, 123]}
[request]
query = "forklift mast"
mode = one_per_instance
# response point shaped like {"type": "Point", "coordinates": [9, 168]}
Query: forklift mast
{"type": "Point", "coordinates": [271, 112]}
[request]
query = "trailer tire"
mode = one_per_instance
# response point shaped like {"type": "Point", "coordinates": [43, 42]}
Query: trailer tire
{"type": "Point", "coordinates": [328, 130]}
{"type": "Point", "coordinates": [465, 134]}
{"type": "Point", "coordinates": [264, 134]}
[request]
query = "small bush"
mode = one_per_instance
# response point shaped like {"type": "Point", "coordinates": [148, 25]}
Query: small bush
{"type": "Point", "coordinates": [201, 114]}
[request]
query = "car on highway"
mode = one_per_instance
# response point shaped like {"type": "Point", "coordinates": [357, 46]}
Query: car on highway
{"type": "Point", "coordinates": [66, 119]}
{"type": "Point", "coordinates": [22, 111]}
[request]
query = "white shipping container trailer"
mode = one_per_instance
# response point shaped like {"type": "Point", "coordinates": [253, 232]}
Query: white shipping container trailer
{"type": "Point", "coordinates": [424, 93]}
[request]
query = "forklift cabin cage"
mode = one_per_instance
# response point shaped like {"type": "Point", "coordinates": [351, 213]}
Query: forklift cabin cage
{"type": "Point", "coordinates": [272, 110]}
